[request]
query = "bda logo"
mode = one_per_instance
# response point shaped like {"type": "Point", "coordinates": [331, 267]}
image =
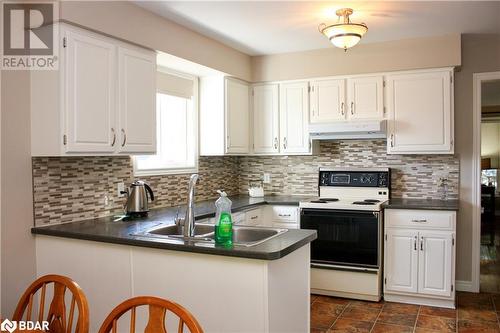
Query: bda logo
{"type": "Point", "coordinates": [8, 325]}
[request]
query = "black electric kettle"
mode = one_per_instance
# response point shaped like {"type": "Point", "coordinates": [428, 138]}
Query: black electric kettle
{"type": "Point", "coordinates": [137, 198]}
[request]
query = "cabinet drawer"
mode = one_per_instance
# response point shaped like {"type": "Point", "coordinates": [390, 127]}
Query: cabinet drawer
{"type": "Point", "coordinates": [238, 218]}
{"type": "Point", "coordinates": [210, 220]}
{"type": "Point", "coordinates": [284, 214]}
{"type": "Point", "coordinates": [424, 219]}
{"type": "Point", "coordinates": [253, 217]}
{"type": "Point", "coordinates": [293, 225]}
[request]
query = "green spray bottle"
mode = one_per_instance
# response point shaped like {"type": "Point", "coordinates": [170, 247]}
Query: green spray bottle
{"type": "Point", "coordinates": [223, 220]}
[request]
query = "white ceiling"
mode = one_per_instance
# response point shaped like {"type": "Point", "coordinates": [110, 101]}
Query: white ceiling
{"type": "Point", "coordinates": [268, 27]}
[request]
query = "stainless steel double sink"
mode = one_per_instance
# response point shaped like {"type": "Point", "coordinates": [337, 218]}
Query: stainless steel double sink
{"type": "Point", "coordinates": [242, 235]}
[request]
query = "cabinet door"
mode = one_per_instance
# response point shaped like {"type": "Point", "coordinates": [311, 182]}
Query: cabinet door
{"type": "Point", "coordinates": [401, 260]}
{"type": "Point", "coordinates": [89, 85]}
{"type": "Point", "coordinates": [327, 101]}
{"type": "Point", "coordinates": [435, 263]}
{"type": "Point", "coordinates": [137, 101]}
{"type": "Point", "coordinates": [237, 116]}
{"type": "Point", "coordinates": [420, 112]}
{"type": "Point", "coordinates": [365, 97]}
{"type": "Point", "coordinates": [265, 118]}
{"type": "Point", "coordinates": [294, 113]}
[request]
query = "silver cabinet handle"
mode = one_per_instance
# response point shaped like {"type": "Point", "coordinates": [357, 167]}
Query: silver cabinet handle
{"type": "Point", "coordinates": [227, 143]}
{"type": "Point", "coordinates": [124, 138]}
{"type": "Point", "coordinates": [284, 215]}
{"type": "Point", "coordinates": [392, 140]}
{"type": "Point", "coordinates": [275, 143]}
{"type": "Point", "coordinates": [253, 217]}
{"type": "Point", "coordinates": [415, 244]}
{"type": "Point", "coordinates": [342, 108]}
{"type": "Point", "coordinates": [352, 108]}
{"type": "Point", "coordinates": [419, 221]}
{"type": "Point", "coordinates": [421, 243]}
{"type": "Point", "coordinates": [284, 143]}
{"type": "Point", "coordinates": [114, 137]}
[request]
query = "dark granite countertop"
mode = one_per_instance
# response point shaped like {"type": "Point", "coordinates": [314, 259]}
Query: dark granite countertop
{"type": "Point", "coordinates": [120, 230]}
{"type": "Point", "coordinates": [425, 204]}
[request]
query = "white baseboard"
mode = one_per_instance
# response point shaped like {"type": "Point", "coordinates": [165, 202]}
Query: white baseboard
{"type": "Point", "coordinates": [464, 286]}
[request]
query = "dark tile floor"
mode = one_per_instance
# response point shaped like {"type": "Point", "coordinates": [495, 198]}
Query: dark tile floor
{"type": "Point", "coordinates": [474, 313]}
{"type": "Point", "coordinates": [490, 257]}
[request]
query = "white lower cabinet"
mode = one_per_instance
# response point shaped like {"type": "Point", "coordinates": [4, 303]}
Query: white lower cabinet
{"type": "Point", "coordinates": [253, 217]}
{"type": "Point", "coordinates": [419, 257]}
{"type": "Point", "coordinates": [270, 216]}
{"type": "Point", "coordinates": [401, 261]}
{"type": "Point", "coordinates": [435, 263]}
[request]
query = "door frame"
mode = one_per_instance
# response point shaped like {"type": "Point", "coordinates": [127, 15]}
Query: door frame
{"type": "Point", "coordinates": [478, 79]}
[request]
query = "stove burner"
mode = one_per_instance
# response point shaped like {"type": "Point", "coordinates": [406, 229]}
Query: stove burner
{"type": "Point", "coordinates": [363, 203]}
{"type": "Point", "coordinates": [326, 200]}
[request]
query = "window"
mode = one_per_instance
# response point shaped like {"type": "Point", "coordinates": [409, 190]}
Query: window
{"type": "Point", "coordinates": [176, 137]}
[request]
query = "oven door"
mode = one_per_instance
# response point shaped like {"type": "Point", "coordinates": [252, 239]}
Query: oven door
{"type": "Point", "coordinates": [345, 238]}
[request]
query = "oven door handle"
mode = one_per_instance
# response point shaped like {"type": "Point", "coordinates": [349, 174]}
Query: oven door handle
{"type": "Point", "coordinates": [345, 268]}
{"type": "Point", "coordinates": [345, 213]}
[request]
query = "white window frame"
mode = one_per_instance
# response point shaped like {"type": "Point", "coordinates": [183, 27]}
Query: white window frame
{"type": "Point", "coordinates": [196, 111]}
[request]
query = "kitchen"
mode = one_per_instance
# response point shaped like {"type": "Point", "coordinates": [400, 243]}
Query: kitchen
{"type": "Point", "coordinates": [264, 124]}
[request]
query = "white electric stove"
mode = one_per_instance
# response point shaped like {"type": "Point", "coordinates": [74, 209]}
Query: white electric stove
{"type": "Point", "coordinates": [346, 257]}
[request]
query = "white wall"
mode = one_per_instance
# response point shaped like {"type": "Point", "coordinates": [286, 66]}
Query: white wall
{"type": "Point", "coordinates": [490, 93]}
{"type": "Point", "coordinates": [490, 142]}
{"type": "Point", "coordinates": [17, 243]}
{"type": "Point", "coordinates": [417, 53]}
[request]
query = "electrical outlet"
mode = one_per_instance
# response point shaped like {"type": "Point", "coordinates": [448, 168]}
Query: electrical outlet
{"type": "Point", "coordinates": [120, 188]}
{"type": "Point", "coordinates": [267, 178]}
{"type": "Point", "coordinates": [106, 201]}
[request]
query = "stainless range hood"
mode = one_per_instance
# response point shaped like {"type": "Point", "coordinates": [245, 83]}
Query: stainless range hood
{"type": "Point", "coordinates": [350, 130]}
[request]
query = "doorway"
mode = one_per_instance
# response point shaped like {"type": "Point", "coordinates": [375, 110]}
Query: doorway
{"type": "Point", "coordinates": [490, 189]}
{"type": "Point", "coordinates": [487, 251]}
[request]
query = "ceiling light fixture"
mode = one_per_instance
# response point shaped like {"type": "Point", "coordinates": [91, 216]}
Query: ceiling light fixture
{"type": "Point", "coordinates": [346, 34]}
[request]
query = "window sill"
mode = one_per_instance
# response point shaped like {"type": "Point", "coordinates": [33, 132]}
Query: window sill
{"type": "Point", "coordinates": [162, 172]}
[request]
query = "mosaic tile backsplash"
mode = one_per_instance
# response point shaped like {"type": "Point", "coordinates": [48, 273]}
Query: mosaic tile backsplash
{"type": "Point", "coordinates": [412, 176]}
{"type": "Point", "coordinates": [69, 189]}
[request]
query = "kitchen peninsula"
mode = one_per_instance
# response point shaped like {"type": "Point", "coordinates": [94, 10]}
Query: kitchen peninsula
{"type": "Point", "coordinates": [260, 288]}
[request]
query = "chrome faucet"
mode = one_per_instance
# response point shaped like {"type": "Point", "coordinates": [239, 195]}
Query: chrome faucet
{"type": "Point", "coordinates": [189, 218]}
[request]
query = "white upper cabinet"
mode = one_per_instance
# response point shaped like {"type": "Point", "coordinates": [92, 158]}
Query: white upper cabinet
{"type": "Point", "coordinates": [237, 116]}
{"type": "Point", "coordinates": [348, 98]}
{"type": "Point", "coordinates": [327, 101]}
{"type": "Point", "coordinates": [294, 117]}
{"type": "Point", "coordinates": [137, 100]}
{"type": "Point", "coordinates": [89, 108]}
{"type": "Point", "coordinates": [420, 107]}
{"type": "Point", "coordinates": [265, 102]}
{"type": "Point", "coordinates": [100, 102]}
{"type": "Point", "coordinates": [224, 116]}
{"type": "Point", "coordinates": [365, 98]}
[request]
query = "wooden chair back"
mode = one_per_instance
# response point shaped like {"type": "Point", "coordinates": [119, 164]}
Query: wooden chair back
{"type": "Point", "coordinates": [158, 308]}
{"type": "Point", "coordinates": [59, 320]}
